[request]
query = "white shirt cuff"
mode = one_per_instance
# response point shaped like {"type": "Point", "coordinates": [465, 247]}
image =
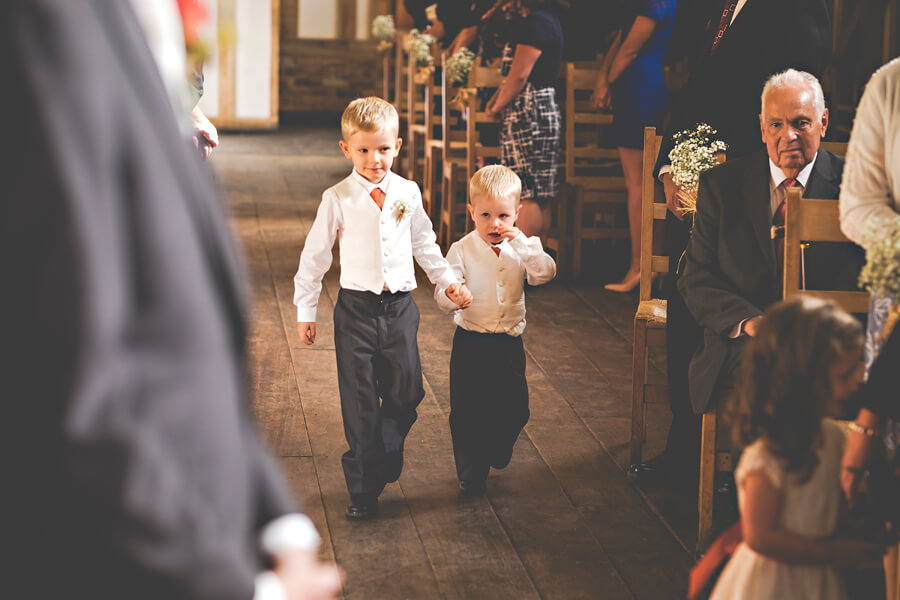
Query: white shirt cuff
{"type": "Point", "coordinates": [738, 330]}
{"type": "Point", "coordinates": [268, 587]}
{"type": "Point", "coordinates": [663, 170]}
{"type": "Point", "coordinates": [290, 532]}
{"type": "Point", "coordinates": [306, 315]}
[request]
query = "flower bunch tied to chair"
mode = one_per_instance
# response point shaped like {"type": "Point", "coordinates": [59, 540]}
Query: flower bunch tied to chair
{"type": "Point", "coordinates": [695, 151]}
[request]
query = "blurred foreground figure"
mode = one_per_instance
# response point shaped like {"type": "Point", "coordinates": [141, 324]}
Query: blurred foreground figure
{"type": "Point", "coordinates": [132, 469]}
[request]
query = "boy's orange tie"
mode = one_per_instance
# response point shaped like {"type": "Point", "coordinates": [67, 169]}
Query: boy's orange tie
{"type": "Point", "coordinates": [496, 250]}
{"type": "Point", "coordinates": [378, 197]}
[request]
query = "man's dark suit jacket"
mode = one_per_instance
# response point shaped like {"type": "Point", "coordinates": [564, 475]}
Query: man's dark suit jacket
{"type": "Point", "coordinates": [133, 468]}
{"type": "Point", "coordinates": [724, 87]}
{"type": "Point", "coordinates": [730, 271]}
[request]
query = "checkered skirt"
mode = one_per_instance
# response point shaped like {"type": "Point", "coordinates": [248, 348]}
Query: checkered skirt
{"type": "Point", "coordinates": [529, 138]}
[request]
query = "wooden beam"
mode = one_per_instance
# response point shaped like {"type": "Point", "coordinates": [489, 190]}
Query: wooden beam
{"type": "Point", "coordinates": [274, 78]}
{"type": "Point", "coordinates": [227, 14]}
{"type": "Point", "coordinates": [290, 14]}
{"type": "Point", "coordinates": [346, 19]}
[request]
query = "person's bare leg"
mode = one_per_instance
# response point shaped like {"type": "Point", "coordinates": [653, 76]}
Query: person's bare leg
{"type": "Point", "coordinates": [632, 168]}
{"type": "Point", "coordinates": [530, 220]}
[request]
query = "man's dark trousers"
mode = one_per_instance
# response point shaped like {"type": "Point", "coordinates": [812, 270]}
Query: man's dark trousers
{"type": "Point", "coordinates": [380, 380]}
{"type": "Point", "coordinates": [488, 400]}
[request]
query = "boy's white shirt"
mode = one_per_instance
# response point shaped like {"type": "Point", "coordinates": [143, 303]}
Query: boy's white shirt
{"type": "Point", "coordinates": [497, 283]}
{"type": "Point", "coordinates": [377, 246]}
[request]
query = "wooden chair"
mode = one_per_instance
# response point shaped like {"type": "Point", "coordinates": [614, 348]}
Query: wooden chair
{"type": "Point", "coordinates": [432, 147]}
{"type": "Point", "coordinates": [453, 169]}
{"type": "Point", "coordinates": [650, 318]}
{"type": "Point", "coordinates": [593, 174]}
{"type": "Point", "coordinates": [401, 60]}
{"type": "Point", "coordinates": [482, 132]}
{"type": "Point", "coordinates": [386, 64]}
{"type": "Point", "coordinates": [814, 220]}
{"type": "Point", "coordinates": [415, 131]}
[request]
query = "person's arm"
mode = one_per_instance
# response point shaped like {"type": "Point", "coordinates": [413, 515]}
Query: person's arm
{"type": "Point", "coordinates": [862, 444]}
{"type": "Point", "coordinates": [539, 266]}
{"type": "Point", "coordinates": [703, 285]}
{"type": "Point", "coordinates": [464, 38]}
{"type": "Point", "coordinates": [424, 246]}
{"type": "Point", "coordinates": [444, 295]}
{"type": "Point", "coordinates": [315, 260]}
{"type": "Point", "coordinates": [523, 62]}
{"type": "Point", "coordinates": [763, 535]}
{"type": "Point", "coordinates": [866, 197]}
{"type": "Point", "coordinates": [638, 35]}
{"type": "Point", "coordinates": [205, 129]}
{"type": "Point", "coordinates": [600, 97]}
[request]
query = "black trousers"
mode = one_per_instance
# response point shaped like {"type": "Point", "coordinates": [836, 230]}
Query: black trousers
{"type": "Point", "coordinates": [683, 337]}
{"type": "Point", "coordinates": [488, 400]}
{"type": "Point", "coordinates": [380, 380]}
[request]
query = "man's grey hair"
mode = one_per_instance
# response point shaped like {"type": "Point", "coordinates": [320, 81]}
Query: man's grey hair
{"type": "Point", "coordinates": [793, 78]}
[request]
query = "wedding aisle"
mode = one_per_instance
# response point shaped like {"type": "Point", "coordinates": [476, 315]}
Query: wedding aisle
{"type": "Point", "coordinates": [562, 521]}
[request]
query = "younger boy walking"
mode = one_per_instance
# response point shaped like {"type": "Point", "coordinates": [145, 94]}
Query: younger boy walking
{"type": "Point", "coordinates": [488, 391]}
{"type": "Point", "coordinates": [379, 220]}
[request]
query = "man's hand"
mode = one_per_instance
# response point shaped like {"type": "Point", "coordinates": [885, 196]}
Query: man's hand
{"type": "Point", "coordinates": [459, 294]}
{"type": "Point", "coordinates": [305, 578]}
{"type": "Point", "coordinates": [508, 232]}
{"type": "Point", "coordinates": [751, 325]}
{"type": "Point", "coordinates": [673, 203]}
{"type": "Point", "coordinates": [307, 332]}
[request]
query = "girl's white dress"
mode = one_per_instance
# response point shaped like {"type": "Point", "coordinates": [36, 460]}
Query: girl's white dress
{"type": "Point", "coordinates": [809, 509]}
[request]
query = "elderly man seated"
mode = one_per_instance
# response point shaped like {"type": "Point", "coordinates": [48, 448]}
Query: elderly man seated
{"type": "Point", "coordinates": [734, 259]}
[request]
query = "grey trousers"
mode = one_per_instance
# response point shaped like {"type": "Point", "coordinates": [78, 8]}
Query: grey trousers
{"type": "Point", "coordinates": [380, 380]}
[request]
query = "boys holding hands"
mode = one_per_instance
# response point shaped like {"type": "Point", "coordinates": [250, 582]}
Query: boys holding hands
{"type": "Point", "coordinates": [379, 219]}
{"type": "Point", "coordinates": [488, 391]}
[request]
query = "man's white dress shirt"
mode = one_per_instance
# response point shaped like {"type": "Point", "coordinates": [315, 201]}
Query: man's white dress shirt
{"type": "Point", "coordinates": [377, 247]}
{"type": "Point", "coordinates": [497, 282]}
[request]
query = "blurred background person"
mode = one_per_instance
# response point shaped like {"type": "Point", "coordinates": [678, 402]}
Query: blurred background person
{"type": "Point", "coordinates": [141, 475]}
{"type": "Point", "coordinates": [631, 85]}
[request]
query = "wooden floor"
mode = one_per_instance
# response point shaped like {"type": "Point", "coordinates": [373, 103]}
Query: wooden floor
{"type": "Point", "coordinates": [562, 521]}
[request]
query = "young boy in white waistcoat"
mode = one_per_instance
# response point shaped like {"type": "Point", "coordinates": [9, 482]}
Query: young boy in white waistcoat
{"type": "Point", "coordinates": [379, 220]}
{"type": "Point", "coordinates": [488, 391]}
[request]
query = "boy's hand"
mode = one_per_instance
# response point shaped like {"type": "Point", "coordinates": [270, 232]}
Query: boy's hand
{"type": "Point", "coordinates": [459, 294]}
{"type": "Point", "coordinates": [508, 232]}
{"type": "Point", "coordinates": [307, 332]}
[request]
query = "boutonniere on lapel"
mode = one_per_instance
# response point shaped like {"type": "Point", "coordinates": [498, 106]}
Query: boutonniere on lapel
{"type": "Point", "coordinates": [403, 207]}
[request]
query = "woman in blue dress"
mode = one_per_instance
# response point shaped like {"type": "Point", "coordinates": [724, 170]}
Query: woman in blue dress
{"type": "Point", "coordinates": [631, 84]}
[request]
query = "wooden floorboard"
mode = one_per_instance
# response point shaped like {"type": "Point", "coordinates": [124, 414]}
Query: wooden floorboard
{"type": "Point", "coordinates": [561, 521]}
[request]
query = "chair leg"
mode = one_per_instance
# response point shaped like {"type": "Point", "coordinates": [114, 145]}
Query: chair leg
{"type": "Point", "coordinates": [638, 385]}
{"type": "Point", "coordinates": [577, 216]}
{"type": "Point", "coordinates": [706, 493]}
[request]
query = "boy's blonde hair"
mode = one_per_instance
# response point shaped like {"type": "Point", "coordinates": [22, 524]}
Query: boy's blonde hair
{"type": "Point", "coordinates": [495, 181]}
{"type": "Point", "coordinates": [369, 114]}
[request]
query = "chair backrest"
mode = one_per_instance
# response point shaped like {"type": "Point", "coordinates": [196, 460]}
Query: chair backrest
{"type": "Point", "coordinates": [482, 133]}
{"type": "Point", "coordinates": [587, 162]}
{"type": "Point", "coordinates": [433, 116]}
{"type": "Point", "coordinates": [814, 220]}
{"type": "Point", "coordinates": [401, 59]}
{"type": "Point", "coordinates": [653, 210]}
{"type": "Point", "coordinates": [453, 135]}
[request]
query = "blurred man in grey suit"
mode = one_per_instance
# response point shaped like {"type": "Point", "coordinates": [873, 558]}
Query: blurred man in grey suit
{"type": "Point", "coordinates": [134, 469]}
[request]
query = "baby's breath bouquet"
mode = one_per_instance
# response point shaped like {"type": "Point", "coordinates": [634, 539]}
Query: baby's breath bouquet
{"type": "Point", "coordinates": [881, 274]}
{"type": "Point", "coordinates": [418, 45]}
{"type": "Point", "coordinates": [695, 152]}
{"type": "Point", "coordinates": [383, 31]}
{"type": "Point", "coordinates": [459, 65]}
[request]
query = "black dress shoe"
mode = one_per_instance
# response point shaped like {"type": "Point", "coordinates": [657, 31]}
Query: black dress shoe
{"type": "Point", "coordinates": [362, 510]}
{"type": "Point", "coordinates": [393, 467]}
{"type": "Point", "coordinates": [472, 487]}
{"type": "Point", "coordinates": [663, 471]}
